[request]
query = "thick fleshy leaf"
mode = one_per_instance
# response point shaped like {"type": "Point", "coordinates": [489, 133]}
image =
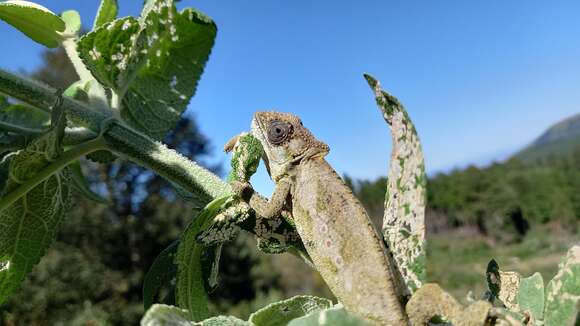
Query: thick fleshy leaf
{"type": "Point", "coordinates": [164, 315]}
{"type": "Point", "coordinates": [563, 292]}
{"type": "Point", "coordinates": [29, 223]}
{"type": "Point", "coordinates": [153, 65]}
{"type": "Point", "coordinates": [190, 288]}
{"type": "Point", "coordinates": [34, 20]}
{"type": "Point", "coordinates": [161, 272]}
{"type": "Point", "coordinates": [404, 217]}
{"type": "Point", "coordinates": [281, 313]}
{"type": "Point", "coordinates": [106, 13]}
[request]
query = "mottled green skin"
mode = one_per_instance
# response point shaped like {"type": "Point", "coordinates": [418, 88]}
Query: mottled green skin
{"type": "Point", "coordinates": [337, 232]}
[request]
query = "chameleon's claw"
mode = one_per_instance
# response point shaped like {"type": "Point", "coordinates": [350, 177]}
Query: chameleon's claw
{"type": "Point", "coordinates": [232, 143]}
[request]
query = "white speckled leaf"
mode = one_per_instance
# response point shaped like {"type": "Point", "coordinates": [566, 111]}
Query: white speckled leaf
{"type": "Point", "coordinates": [563, 291]}
{"type": "Point", "coordinates": [153, 63]}
{"type": "Point", "coordinates": [404, 218]}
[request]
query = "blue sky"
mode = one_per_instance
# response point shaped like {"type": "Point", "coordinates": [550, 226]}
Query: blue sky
{"type": "Point", "coordinates": [481, 79]}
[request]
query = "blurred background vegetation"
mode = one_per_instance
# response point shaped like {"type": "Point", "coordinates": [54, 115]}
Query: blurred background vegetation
{"type": "Point", "coordinates": [524, 212]}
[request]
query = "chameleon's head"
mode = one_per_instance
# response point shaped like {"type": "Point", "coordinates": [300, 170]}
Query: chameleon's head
{"type": "Point", "coordinates": [285, 140]}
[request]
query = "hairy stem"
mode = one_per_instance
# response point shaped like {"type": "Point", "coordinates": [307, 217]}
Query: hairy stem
{"type": "Point", "coordinates": [9, 127]}
{"type": "Point", "coordinates": [62, 161]}
{"type": "Point", "coordinates": [43, 96]}
{"type": "Point", "coordinates": [166, 162]}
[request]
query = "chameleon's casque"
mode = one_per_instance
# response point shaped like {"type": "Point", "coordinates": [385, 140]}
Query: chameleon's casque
{"type": "Point", "coordinates": [337, 232]}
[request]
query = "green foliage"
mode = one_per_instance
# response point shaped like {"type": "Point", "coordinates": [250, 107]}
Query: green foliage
{"type": "Point", "coordinates": [563, 292]}
{"type": "Point", "coordinates": [558, 305]}
{"type": "Point", "coordinates": [143, 62]}
{"type": "Point", "coordinates": [296, 311]}
{"type": "Point", "coordinates": [282, 312]}
{"type": "Point", "coordinates": [106, 13]}
{"type": "Point", "coordinates": [30, 219]}
{"type": "Point", "coordinates": [190, 291]}
{"type": "Point", "coordinates": [36, 21]}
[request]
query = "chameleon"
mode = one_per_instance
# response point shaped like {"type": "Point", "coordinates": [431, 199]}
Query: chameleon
{"type": "Point", "coordinates": [339, 236]}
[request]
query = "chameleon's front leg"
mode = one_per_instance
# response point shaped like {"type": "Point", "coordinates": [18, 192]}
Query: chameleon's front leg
{"type": "Point", "coordinates": [263, 207]}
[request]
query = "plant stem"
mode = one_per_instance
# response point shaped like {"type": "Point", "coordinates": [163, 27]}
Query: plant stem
{"type": "Point", "coordinates": [166, 162]}
{"type": "Point", "coordinates": [6, 126]}
{"type": "Point", "coordinates": [43, 96]}
{"type": "Point", "coordinates": [62, 161]}
{"type": "Point", "coordinates": [121, 139]}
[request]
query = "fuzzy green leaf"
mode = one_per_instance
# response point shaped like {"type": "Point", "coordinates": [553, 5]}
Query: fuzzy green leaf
{"type": "Point", "coordinates": [153, 64]}
{"type": "Point", "coordinates": [106, 13]}
{"type": "Point", "coordinates": [34, 20]}
{"type": "Point", "coordinates": [404, 217]}
{"type": "Point", "coordinates": [28, 225]}
{"type": "Point", "coordinates": [190, 289]}
{"type": "Point", "coordinates": [164, 315]}
{"type": "Point", "coordinates": [282, 312]}
{"type": "Point", "coordinates": [72, 21]}
{"type": "Point", "coordinates": [335, 316]}
{"type": "Point", "coordinates": [161, 272]}
{"type": "Point", "coordinates": [563, 291]}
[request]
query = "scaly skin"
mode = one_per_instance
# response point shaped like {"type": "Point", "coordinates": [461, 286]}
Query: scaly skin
{"type": "Point", "coordinates": [339, 236]}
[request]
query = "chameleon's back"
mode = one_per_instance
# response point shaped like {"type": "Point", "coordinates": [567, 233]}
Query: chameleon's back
{"type": "Point", "coordinates": [345, 247]}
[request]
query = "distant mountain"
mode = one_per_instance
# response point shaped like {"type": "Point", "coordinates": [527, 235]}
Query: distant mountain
{"type": "Point", "coordinates": [560, 140]}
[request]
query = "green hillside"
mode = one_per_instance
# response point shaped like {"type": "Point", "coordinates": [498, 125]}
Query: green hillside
{"type": "Point", "coordinates": [560, 140]}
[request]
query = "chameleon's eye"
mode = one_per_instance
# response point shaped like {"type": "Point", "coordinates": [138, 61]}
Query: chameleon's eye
{"type": "Point", "coordinates": [278, 132]}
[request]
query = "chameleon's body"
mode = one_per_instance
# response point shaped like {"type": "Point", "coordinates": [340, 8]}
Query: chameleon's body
{"type": "Point", "coordinates": [339, 237]}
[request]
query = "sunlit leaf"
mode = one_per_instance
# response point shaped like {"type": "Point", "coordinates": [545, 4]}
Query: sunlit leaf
{"type": "Point", "coordinates": [563, 291]}
{"type": "Point", "coordinates": [106, 13]}
{"type": "Point", "coordinates": [34, 20]}
{"type": "Point", "coordinates": [152, 64]}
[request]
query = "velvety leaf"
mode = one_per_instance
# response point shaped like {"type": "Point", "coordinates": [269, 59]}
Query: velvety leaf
{"type": "Point", "coordinates": [106, 13]}
{"type": "Point", "coordinates": [282, 312]}
{"type": "Point", "coordinates": [161, 272]}
{"type": "Point", "coordinates": [404, 217]}
{"type": "Point", "coordinates": [335, 316]}
{"type": "Point", "coordinates": [563, 292]}
{"type": "Point", "coordinates": [164, 315]}
{"type": "Point", "coordinates": [72, 21]}
{"type": "Point", "coordinates": [153, 64]}
{"type": "Point", "coordinates": [190, 289]}
{"type": "Point", "coordinates": [34, 20]}
{"type": "Point", "coordinates": [28, 225]}
{"type": "Point", "coordinates": [81, 186]}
